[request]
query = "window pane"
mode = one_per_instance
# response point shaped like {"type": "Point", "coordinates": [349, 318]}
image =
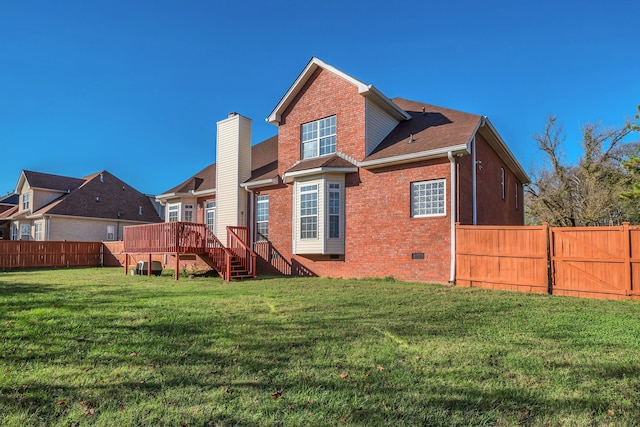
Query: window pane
{"type": "Point", "coordinates": [428, 198]}
{"type": "Point", "coordinates": [309, 212]}
{"type": "Point", "coordinates": [262, 218]}
{"type": "Point", "coordinates": [319, 137]}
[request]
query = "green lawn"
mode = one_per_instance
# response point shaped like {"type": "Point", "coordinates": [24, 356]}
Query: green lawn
{"type": "Point", "coordinates": [96, 347]}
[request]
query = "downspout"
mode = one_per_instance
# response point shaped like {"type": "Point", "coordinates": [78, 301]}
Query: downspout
{"type": "Point", "coordinates": [474, 170]}
{"type": "Point", "coordinates": [452, 275]}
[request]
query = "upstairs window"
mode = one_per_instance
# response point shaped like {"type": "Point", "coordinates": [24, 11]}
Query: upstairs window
{"type": "Point", "coordinates": [25, 201]}
{"type": "Point", "coordinates": [262, 218]}
{"type": "Point", "coordinates": [319, 137]}
{"type": "Point", "coordinates": [428, 198]}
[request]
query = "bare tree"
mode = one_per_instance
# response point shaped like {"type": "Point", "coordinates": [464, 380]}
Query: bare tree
{"type": "Point", "coordinates": [584, 193]}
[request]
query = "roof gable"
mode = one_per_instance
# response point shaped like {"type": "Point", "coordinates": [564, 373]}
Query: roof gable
{"type": "Point", "coordinates": [102, 195]}
{"type": "Point", "coordinates": [48, 181]}
{"type": "Point", "coordinates": [363, 89]}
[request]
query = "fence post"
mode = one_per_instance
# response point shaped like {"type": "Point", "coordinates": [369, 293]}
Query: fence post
{"type": "Point", "coordinates": [550, 270]}
{"type": "Point", "coordinates": [627, 257]}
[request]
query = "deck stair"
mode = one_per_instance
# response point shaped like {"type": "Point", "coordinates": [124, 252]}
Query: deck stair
{"type": "Point", "coordinates": [235, 261]}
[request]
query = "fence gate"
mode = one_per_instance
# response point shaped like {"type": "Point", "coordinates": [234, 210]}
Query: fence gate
{"type": "Point", "coordinates": [592, 262]}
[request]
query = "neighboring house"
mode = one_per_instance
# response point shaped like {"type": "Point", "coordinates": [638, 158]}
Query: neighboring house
{"type": "Point", "coordinates": [93, 208]}
{"type": "Point", "coordinates": [8, 205]}
{"type": "Point", "coordinates": [355, 184]}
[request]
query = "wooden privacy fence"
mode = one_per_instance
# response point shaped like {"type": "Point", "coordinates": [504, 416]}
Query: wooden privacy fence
{"type": "Point", "coordinates": [590, 262]}
{"type": "Point", "coordinates": [30, 254]}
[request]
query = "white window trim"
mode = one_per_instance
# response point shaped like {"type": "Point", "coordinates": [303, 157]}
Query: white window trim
{"type": "Point", "coordinates": [317, 138]}
{"type": "Point", "coordinates": [340, 214]}
{"type": "Point", "coordinates": [316, 215]}
{"type": "Point", "coordinates": [26, 201]}
{"type": "Point", "coordinates": [37, 231]}
{"type": "Point", "coordinates": [188, 209]}
{"type": "Point", "coordinates": [444, 195]}
{"type": "Point", "coordinates": [111, 232]}
{"type": "Point", "coordinates": [210, 207]}
{"type": "Point", "coordinates": [23, 227]}
{"type": "Point", "coordinates": [173, 207]}
{"type": "Point", "coordinates": [262, 199]}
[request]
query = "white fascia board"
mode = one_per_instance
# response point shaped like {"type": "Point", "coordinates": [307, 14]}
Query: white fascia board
{"type": "Point", "coordinates": [511, 159]}
{"type": "Point", "coordinates": [388, 105]}
{"type": "Point", "coordinates": [413, 157]}
{"type": "Point", "coordinates": [290, 176]}
{"type": "Point", "coordinates": [209, 192]}
{"type": "Point", "coordinates": [261, 183]}
{"type": "Point", "coordinates": [275, 116]}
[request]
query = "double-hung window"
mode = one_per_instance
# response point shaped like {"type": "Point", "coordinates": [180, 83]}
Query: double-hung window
{"type": "Point", "coordinates": [25, 201]}
{"type": "Point", "coordinates": [14, 232]}
{"type": "Point", "coordinates": [262, 218]}
{"type": "Point", "coordinates": [319, 137]}
{"type": "Point", "coordinates": [428, 198]}
{"type": "Point", "coordinates": [188, 213]}
{"type": "Point", "coordinates": [38, 231]}
{"type": "Point", "coordinates": [174, 211]}
{"type": "Point", "coordinates": [309, 212]}
{"type": "Point", "coordinates": [211, 216]}
{"type": "Point", "coordinates": [111, 232]}
{"type": "Point", "coordinates": [334, 211]}
{"type": "Point", "coordinates": [25, 231]}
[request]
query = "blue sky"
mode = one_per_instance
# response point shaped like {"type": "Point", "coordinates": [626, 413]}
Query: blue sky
{"type": "Point", "coordinates": [136, 87]}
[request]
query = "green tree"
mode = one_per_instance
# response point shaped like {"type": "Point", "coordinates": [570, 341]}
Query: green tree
{"type": "Point", "coordinates": [632, 165]}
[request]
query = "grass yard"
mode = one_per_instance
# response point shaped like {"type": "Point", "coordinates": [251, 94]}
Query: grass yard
{"type": "Point", "coordinates": [95, 347]}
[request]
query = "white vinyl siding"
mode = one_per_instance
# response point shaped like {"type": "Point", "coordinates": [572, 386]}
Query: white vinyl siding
{"type": "Point", "coordinates": [319, 137]}
{"type": "Point", "coordinates": [428, 198]}
{"type": "Point", "coordinates": [379, 124]}
{"type": "Point", "coordinates": [233, 166]}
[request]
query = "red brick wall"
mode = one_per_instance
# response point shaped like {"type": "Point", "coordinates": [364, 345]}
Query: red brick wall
{"type": "Point", "coordinates": [491, 208]}
{"type": "Point", "coordinates": [380, 234]}
{"type": "Point", "coordinates": [323, 95]}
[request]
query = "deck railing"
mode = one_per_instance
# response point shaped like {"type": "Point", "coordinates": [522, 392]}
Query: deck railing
{"type": "Point", "coordinates": [238, 244]}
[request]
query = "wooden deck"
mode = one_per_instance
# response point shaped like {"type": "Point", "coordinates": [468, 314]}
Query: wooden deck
{"type": "Point", "coordinates": [235, 261]}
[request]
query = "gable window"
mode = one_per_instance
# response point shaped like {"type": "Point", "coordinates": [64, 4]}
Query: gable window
{"type": "Point", "coordinates": [334, 211]}
{"type": "Point", "coordinates": [262, 218]}
{"type": "Point", "coordinates": [25, 231]}
{"type": "Point", "coordinates": [25, 201]}
{"type": "Point", "coordinates": [502, 182]}
{"type": "Point", "coordinates": [174, 211]}
{"type": "Point", "coordinates": [428, 198]}
{"type": "Point", "coordinates": [188, 213]}
{"type": "Point", "coordinates": [38, 231]}
{"type": "Point", "coordinates": [309, 212]}
{"type": "Point", "coordinates": [319, 137]}
{"type": "Point", "coordinates": [111, 232]}
{"type": "Point", "coordinates": [211, 216]}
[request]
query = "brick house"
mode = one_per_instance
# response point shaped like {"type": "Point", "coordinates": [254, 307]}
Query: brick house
{"type": "Point", "coordinates": [354, 184]}
{"type": "Point", "coordinates": [93, 208]}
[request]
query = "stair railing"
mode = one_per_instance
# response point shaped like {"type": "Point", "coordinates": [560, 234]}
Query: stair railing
{"type": "Point", "coordinates": [238, 244]}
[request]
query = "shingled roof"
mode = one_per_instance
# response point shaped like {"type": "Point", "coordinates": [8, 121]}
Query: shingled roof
{"type": "Point", "coordinates": [430, 128]}
{"type": "Point", "coordinates": [52, 182]}
{"type": "Point", "coordinates": [101, 195]}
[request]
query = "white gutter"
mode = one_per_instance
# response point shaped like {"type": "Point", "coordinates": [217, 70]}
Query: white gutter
{"type": "Point", "coordinates": [290, 176]}
{"type": "Point", "coordinates": [264, 182]}
{"type": "Point", "coordinates": [474, 188]}
{"type": "Point", "coordinates": [452, 274]}
{"type": "Point", "coordinates": [405, 158]}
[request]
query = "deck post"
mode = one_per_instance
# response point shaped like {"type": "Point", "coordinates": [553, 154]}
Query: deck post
{"type": "Point", "coordinates": [177, 273]}
{"type": "Point", "coordinates": [126, 263]}
{"type": "Point", "coordinates": [149, 267]}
